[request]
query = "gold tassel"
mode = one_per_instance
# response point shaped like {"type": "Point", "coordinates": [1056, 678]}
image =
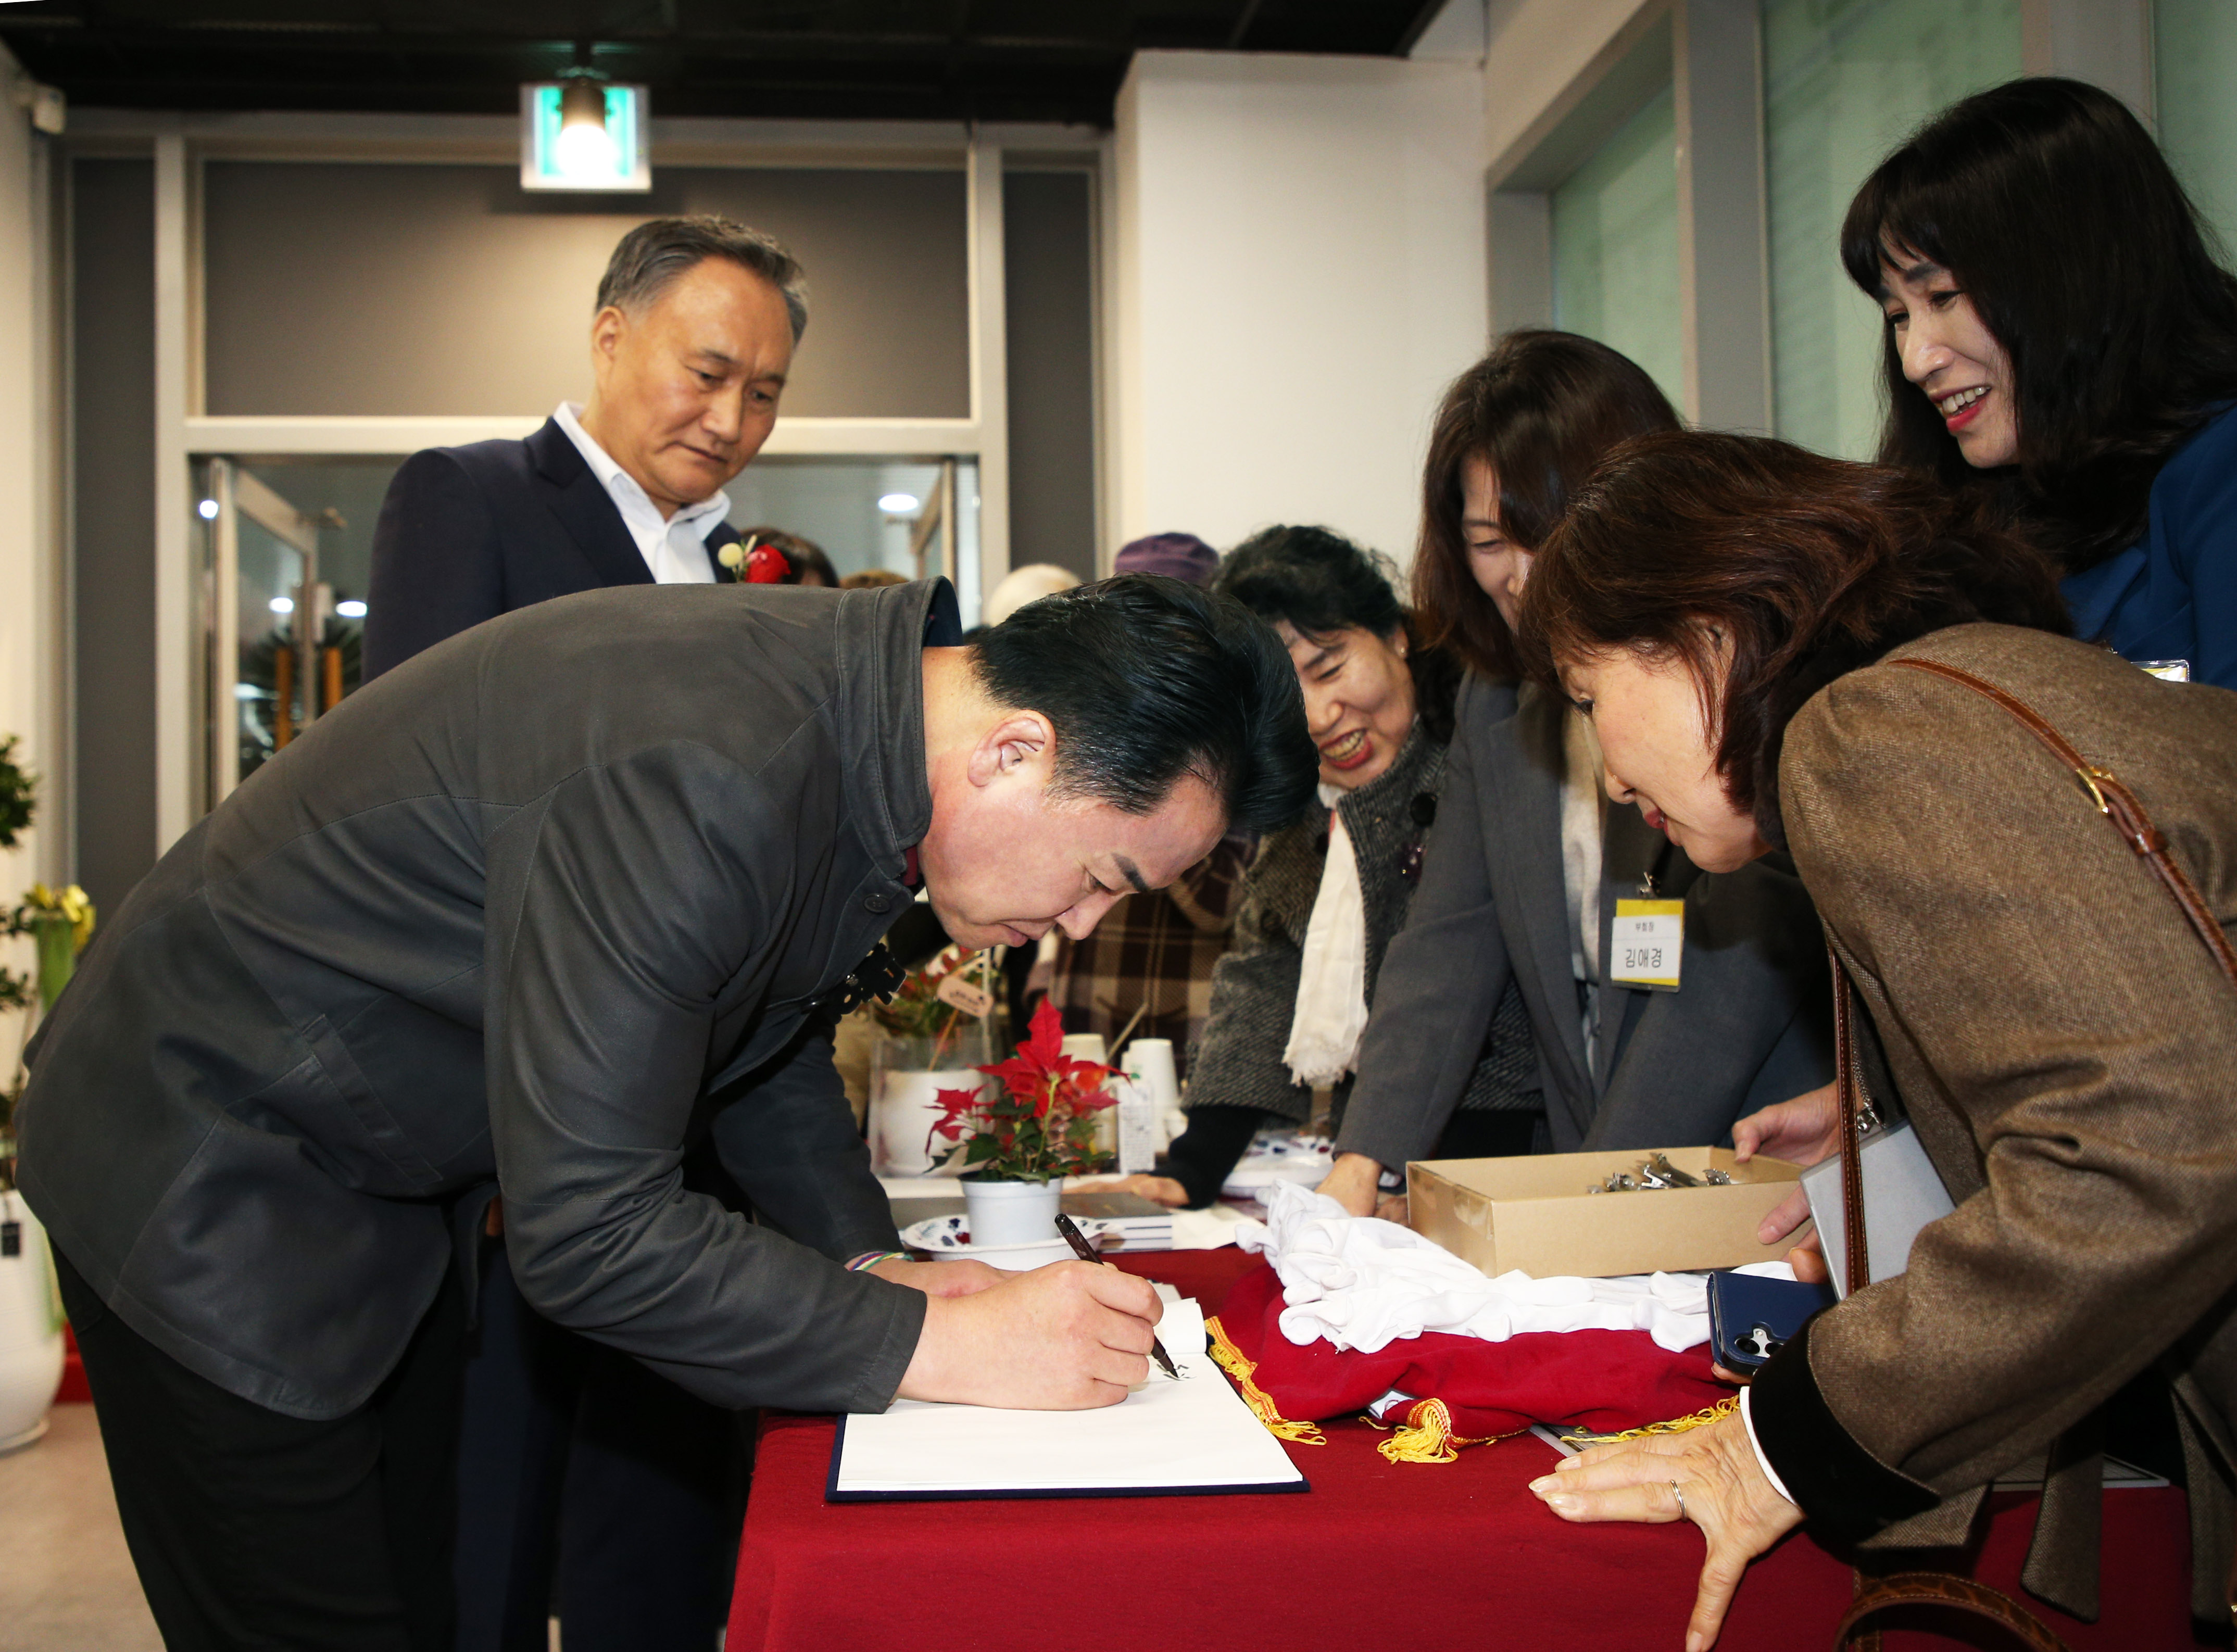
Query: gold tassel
{"type": "Point", "coordinates": [1701, 1419]}
{"type": "Point", "coordinates": [1230, 1360]}
{"type": "Point", "coordinates": [1427, 1435]}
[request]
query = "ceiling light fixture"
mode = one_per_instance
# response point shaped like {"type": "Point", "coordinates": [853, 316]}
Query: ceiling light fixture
{"type": "Point", "coordinates": [349, 609]}
{"type": "Point", "coordinates": [582, 132]}
{"type": "Point", "coordinates": [897, 505]}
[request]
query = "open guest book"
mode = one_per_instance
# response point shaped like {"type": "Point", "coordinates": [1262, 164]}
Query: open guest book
{"type": "Point", "coordinates": [1169, 1438]}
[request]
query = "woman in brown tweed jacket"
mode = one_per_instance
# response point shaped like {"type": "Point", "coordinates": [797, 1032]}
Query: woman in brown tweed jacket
{"type": "Point", "coordinates": [1736, 614]}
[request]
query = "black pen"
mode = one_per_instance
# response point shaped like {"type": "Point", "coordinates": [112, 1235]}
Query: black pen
{"type": "Point", "coordinates": [1085, 1252]}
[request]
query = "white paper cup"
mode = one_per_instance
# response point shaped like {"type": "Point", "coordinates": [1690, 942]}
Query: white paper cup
{"type": "Point", "coordinates": [1150, 1062]}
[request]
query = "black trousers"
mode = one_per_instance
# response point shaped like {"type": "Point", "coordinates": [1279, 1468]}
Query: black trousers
{"type": "Point", "coordinates": [251, 1529]}
{"type": "Point", "coordinates": [587, 1483]}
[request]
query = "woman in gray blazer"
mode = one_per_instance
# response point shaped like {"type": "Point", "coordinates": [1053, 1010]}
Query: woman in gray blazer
{"type": "Point", "coordinates": [1323, 897]}
{"type": "Point", "coordinates": [1522, 877]}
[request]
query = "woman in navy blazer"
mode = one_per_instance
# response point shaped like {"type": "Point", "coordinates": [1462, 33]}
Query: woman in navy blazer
{"type": "Point", "coordinates": [2061, 339]}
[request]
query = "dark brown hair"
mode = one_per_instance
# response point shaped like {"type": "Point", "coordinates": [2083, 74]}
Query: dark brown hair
{"type": "Point", "coordinates": [2056, 215]}
{"type": "Point", "coordinates": [1540, 410]}
{"type": "Point", "coordinates": [1806, 567]}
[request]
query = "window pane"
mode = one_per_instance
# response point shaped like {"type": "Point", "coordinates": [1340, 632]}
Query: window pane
{"type": "Point", "coordinates": [1845, 81]}
{"type": "Point", "coordinates": [2197, 93]}
{"type": "Point", "coordinates": [1615, 246]}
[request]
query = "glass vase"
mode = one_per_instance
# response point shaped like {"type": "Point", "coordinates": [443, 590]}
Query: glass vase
{"type": "Point", "coordinates": [906, 1075]}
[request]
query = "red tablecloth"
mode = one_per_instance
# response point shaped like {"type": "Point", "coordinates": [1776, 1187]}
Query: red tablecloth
{"type": "Point", "coordinates": [1376, 1555]}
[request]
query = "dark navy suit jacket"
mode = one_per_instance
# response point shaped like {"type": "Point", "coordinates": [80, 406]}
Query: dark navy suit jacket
{"type": "Point", "coordinates": [469, 533]}
{"type": "Point", "coordinates": [2173, 594]}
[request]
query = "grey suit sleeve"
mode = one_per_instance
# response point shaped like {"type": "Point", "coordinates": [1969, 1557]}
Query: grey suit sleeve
{"type": "Point", "coordinates": [620, 904]}
{"type": "Point", "coordinates": [1442, 979]}
{"type": "Point", "coordinates": [786, 1137]}
{"type": "Point", "coordinates": [1238, 1058]}
{"type": "Point", "coordinates": [436, 569]}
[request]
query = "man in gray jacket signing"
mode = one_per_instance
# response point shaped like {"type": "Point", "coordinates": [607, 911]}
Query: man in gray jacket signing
{"type": "Point", "coordinates": [544, 906]}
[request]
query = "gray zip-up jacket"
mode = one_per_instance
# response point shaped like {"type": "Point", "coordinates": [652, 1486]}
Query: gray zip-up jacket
{"type": "Point", "coordinates": [544, 905]}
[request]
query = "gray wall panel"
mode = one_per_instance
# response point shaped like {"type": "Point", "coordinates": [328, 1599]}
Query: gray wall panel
{"type": "Point", "coordinates": [432, 289]}
{"type": "Point", "coordinates": [1050, 319]}
{"type": "Point", "coordinates": [113, 556]}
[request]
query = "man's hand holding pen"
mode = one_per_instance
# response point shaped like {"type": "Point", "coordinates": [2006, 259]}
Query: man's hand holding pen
{"type": "Point", "coordinates": [1067, 1337]}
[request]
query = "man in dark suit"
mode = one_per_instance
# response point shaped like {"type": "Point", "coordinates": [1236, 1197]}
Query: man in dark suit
{"type": "Point", "coordinates": [575, 1460]}
{"type": "Point", "coordinates": [690, 349]}
{"type": "Point", "coordinates": [544, 908]}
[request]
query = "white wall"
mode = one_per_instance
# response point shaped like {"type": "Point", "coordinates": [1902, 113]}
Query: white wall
{"type": "Point", "coordinates": [1297, 270]}
{"type": "Point", "coordinates": [29, 612]}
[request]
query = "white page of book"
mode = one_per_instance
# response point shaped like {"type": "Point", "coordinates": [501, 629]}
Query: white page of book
{"type": "Point", "coordinates": [1190, 1434]}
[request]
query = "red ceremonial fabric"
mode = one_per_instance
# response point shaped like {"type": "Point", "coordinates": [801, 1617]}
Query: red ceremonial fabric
{"type": "Point", "coordinates": [1377, 1557]}
{"type": "Point", "coordinates": [1605, 1380]}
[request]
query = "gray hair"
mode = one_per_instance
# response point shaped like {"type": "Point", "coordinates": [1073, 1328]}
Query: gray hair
{"type": "Point", "coordinates": [650, 258]}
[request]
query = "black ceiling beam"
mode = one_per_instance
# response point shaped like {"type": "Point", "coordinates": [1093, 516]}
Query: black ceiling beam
{"type": "Point", "coordinates": [916, 59]}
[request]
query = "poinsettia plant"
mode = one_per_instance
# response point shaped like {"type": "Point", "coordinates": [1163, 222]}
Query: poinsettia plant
{"type": "Point", "coordinates": [1040, 1123]}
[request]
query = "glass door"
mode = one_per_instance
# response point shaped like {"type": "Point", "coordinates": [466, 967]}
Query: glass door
{"type": "Point", "coordinates": [269, 671]}
{"type": "Point", "coordinates": [289, 556]}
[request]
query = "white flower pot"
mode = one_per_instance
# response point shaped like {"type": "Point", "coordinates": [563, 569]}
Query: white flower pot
{"type": "Point", "coordinates": [31, 1331]}
{"type": "Point", "coordinates": [1012, 1212]}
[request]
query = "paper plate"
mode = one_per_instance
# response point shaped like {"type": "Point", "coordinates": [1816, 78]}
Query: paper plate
{"type": "Point", "coordinates": [949, 1239]}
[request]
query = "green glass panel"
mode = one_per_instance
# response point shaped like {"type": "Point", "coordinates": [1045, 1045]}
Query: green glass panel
{"type": "Point", "coordinates": [1845, 81]}
{"type": "Point", "coordinates": [1615, 246]}
{"type": "Point", "coordinates": [2196, 90]}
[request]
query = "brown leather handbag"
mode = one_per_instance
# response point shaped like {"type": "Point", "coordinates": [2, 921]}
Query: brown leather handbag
{"type": "Point", "coordinates": [2120, 806]}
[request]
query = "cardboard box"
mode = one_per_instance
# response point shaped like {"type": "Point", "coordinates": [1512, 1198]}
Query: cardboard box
{"type": "Point", "coordinates": [1533, 1213]}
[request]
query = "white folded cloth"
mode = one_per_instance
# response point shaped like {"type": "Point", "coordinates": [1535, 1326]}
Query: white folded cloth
{"type": "Point", "coordinates": [1357, 1282]}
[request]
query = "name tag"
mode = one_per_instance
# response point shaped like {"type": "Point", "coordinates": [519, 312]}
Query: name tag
{"type": "Point", "coordinates": [1646, 946]}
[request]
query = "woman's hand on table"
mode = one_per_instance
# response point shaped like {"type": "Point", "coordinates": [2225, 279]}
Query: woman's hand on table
{"type": "Point", "coordinates": [940, 1278]}
{"type": "Point", "coordinates": [1351, 1183]}
{"type": "Point", "coordinates": [1067, 1337]}
{"type": "Point", "coordinates": [1802, 1131]}
{"type": "Point", "coordinates": [1159, 1190]}
{"type": "Point", "coordinates": [1709, 1475]}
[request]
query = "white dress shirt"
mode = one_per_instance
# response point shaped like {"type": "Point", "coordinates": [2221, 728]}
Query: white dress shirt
{"type": "Point", "coordinates": [674, 547]}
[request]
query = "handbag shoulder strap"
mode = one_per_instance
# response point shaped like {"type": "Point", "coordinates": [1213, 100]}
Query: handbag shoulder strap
{"type": "Point", "coordinates": [2116, 803]}
{"type": "Point", "coordinates": [2126, 814]}
{"type": "Point", "coordinates": [1849, 1085]}
{"type": "Point", "coordinates": [1947, 1592]}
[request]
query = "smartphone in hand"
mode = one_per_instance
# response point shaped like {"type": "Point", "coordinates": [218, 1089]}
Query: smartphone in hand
{"type": "Point", "coordinates": [1751, 1318]}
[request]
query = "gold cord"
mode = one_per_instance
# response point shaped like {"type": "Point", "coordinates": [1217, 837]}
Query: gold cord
{"type": "Point", "coordinates": [1427, 1435]}
{"type": "Point", "coordinates": [1701, 1419]}
{"type": "Point", "coordinates": [1230, 1360]}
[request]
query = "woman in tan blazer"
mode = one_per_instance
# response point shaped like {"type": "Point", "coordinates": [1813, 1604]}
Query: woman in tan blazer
{"type": "Point", "coordinates": [1735, 613]}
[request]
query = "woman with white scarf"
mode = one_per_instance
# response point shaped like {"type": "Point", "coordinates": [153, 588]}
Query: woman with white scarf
{"type": "Point", "coordinates": [1290, 1001]}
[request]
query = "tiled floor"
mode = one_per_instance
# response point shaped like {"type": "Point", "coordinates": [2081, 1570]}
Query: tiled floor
{"type": "Point", "coordinates": [66, 1579]}
{"type": "Point", "coordinates": [66, 1582]}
